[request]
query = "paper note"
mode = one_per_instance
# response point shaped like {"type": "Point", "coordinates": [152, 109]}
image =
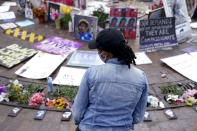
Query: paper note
{"type": "Point", "coordinates": [69, 76]}
{"type": "Point", "coordinates": [142, 58]}
{"type": "Point", "coordinates": [9, 3]}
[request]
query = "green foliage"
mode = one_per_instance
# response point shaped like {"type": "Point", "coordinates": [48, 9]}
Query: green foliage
{"type": "Point", "coordinates": [170, 88]}
{"type": "Point", "coordinates": [68, 92]}
{"type": "Point", "coordinates": [164, 89]}
{"type": "Point", "coordinates": [102, 16]}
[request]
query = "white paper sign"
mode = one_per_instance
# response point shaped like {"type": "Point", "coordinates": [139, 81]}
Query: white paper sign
{"type": "Point", "coordinates": [142, 58]}
{"type": "Point", "coordinates": [9, 3]}
{"type": "Point", "coordinates": [40, 66]}
{"type": "Point", "coordinates": [8, 26]}
{"type": "Point", "coordinates": [185, 64]}
{"type": "Point", "coordinates": [4, 8]}
{"type": "Point", "coordinates": [69, 76]}
{"type": "Point", "coordinates": [7, 15]}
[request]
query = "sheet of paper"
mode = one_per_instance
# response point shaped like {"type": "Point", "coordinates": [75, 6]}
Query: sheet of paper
{"type": "Point", "coordinates": [41, 66]}
{"type": "Point", "coordinates": [4, 8]}
{"type": "Point", "coordinates": [7, 15]}
{"type": "Point", "coordinates": [9, 3]}
{"type": "Point", "coordinates": [8, 26]}
{"type": "Point", "coordinates": [69, 76]}
{"type": "Point", "coordinates": [25, 23]}
{"type": "Point", "coordinates": [185, 64]}
{"type": "Point", "coordinates": [142, 58]}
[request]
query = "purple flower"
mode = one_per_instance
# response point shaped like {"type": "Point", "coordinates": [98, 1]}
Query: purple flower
{"type": "Point", "coordinates": [2, 89]}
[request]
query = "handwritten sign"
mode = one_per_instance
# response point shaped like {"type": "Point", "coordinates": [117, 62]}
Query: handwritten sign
{"type": "Point", "coordinates": [69, 76]}
{"type": "Point", "coordinates": [58, 46]}
{"type": "Point", "coordinates": [156, 34]}
{"type": "Point", "coordinates": [14, 54]}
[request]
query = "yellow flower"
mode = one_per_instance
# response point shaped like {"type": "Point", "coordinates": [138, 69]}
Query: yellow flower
{"type": "Point", "coordinates": [190, 101]}
{"type": "Point", "coordinates": [59, 103]}
{"type": "Point", "coordinates": [65, 9]}
{"type": "Point", "coordinates": [16, 86]}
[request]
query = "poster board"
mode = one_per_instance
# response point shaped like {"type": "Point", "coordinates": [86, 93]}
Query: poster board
{"type": "Point", "coordinates": [142, 58]}
{"type": "Point", "coordinates": [58, 46]}
{"type": "Point", "coordinates": [157, 34]}
{"type": "Point", "coordinates": [85, 27]}
{"type": "Point", "coordinates": [178, 9]}
{"type": "Point", "coordinates": [184, 64]}
{"type": "Point", "coordinates": [14, 54]}
{"type": "Point", "coordinates": [125, 20]}
{"type": "Point", "coordinates": [84, 59]}
{"type": "Point", "coordinates": [40, 66]}
{"type": "Point", "coordinates": [69, 76]}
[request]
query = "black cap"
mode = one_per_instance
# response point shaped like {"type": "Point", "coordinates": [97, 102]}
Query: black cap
{"type": "Point", "coordinates": [107, 39]}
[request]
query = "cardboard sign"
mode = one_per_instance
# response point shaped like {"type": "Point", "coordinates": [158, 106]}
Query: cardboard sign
{"type": "Point", "coordinates": [14, 112]}
{"type": "Point", "coordinates": [69, 76]}
{"type": "Point", "coordinates": [24, 35]}
{"type": "Point", "coordinates": [125, 20]}
{"type": "Point", "coordinates": [157, 34]}
{"type": "Point", "coordinates": [14, 54]}
{"type": "Point", "coordinates": [40, 66]}
{"type": "Point", "coordinates": [57, 45]}
{"type": "Point", "coordinates": [85, 27]}
{"type": "Point", "coordinates": [40, 115]}
{"type": "Point", "coordinates": [84, 59]}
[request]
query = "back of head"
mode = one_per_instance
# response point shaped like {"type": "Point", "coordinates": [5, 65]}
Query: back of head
{"type": "Point", "coordinates": [113, 41]}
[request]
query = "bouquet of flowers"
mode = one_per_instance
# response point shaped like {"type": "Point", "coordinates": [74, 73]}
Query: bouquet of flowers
{"type": "Point", "coordinates": [38, 12]}
{"type": "Point", "coordinates": [59, 103]}
{"type": "Point", "coordinates": [66, 17]}
{"type": "Point", "coordinates": [36, 99]}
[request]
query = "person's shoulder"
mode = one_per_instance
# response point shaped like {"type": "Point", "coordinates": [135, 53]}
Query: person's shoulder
{"type": "Point", "coordinates": [139, 71]}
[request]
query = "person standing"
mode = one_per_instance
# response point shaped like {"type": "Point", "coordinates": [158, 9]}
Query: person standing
{"type": "Point", "coordinates": [112, 96]}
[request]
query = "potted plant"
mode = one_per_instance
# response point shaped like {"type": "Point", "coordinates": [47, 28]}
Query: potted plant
{"type": "Point", "coordinates": [40, 13]}
{"type": "Point", "coordinates": [102, 16]}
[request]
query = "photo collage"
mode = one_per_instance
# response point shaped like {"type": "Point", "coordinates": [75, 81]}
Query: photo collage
{"type": "Point", "coordinates": [124, 19]}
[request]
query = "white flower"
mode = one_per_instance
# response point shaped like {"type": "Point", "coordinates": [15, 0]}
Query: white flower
{"type": "Point", "coordinates": [4, 96]}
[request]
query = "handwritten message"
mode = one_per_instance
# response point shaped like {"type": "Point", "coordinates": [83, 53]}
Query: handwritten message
{"type": "Point", "coordinates": [156, 34]}
{"type": "Point", "coordinates": [14, 54]}
{"type": "Point", "coordinates": [58, 46]}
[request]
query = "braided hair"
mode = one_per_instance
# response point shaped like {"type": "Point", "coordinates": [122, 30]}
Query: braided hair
{"type": "Point", "coordinates": [125, 53]}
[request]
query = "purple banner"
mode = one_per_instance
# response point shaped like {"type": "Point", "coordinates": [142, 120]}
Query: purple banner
{"type": "Point", "coordinates": [58, 46]}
